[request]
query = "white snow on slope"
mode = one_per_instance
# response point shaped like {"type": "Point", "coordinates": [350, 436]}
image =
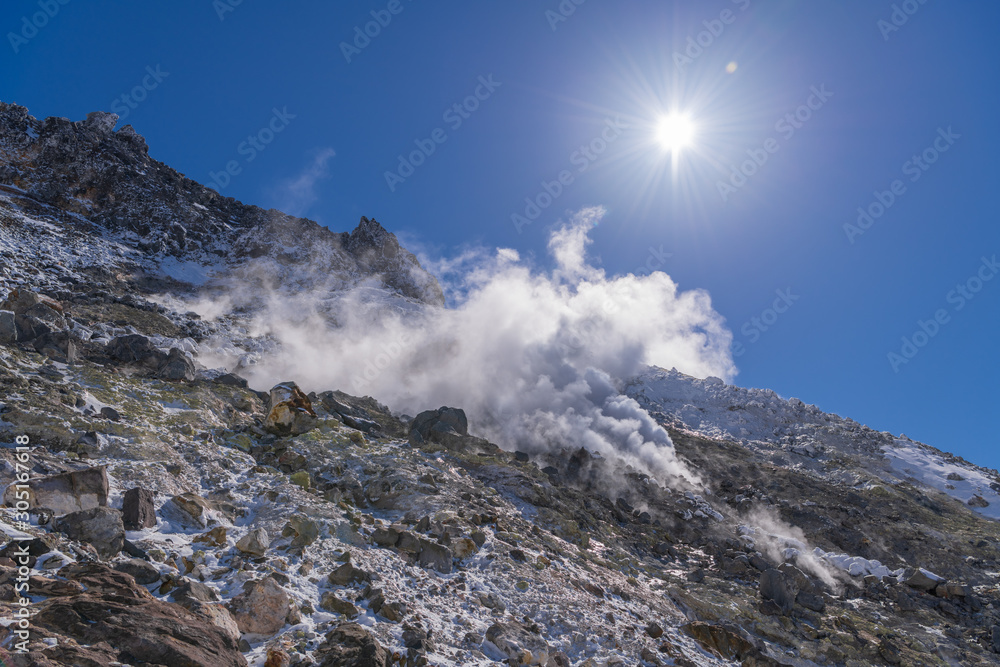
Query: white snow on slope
{"type": "Point", "coordinates": [792, 433]}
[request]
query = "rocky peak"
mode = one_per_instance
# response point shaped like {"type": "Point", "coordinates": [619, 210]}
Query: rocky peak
{"type": "Point", "coordinates": [88, 170]}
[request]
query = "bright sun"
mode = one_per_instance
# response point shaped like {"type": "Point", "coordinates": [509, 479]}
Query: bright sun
{"type": "Point", "coordinates": [675, 132]}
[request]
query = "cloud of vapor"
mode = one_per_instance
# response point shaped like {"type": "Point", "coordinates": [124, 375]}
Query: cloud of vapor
{"type": "Point", "coordinates": [295, 195]}
{"type": "Point", "coordinates": [783, 542]}
{"type": "Point", "coordinates": [536, 359]}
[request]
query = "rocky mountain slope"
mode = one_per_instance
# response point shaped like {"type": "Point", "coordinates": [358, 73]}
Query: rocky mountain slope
{"type": "Point", "coordinates": [174, 515]}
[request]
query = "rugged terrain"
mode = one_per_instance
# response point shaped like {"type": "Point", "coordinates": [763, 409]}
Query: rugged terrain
{"type": "Point", "coordinates": [179, 516]}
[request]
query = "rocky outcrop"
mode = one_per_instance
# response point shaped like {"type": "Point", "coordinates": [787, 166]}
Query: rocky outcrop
{"type": "Point", "coordinates": [107, 176]}
{"type": "Point", "coordinates": [114, 620]}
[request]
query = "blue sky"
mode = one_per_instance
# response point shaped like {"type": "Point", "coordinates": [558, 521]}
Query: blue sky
{"type": "Point", "coordinates": [886, 85]}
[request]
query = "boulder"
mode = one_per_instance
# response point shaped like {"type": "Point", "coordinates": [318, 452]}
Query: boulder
{"type": "Point", "coordinates": [254, 543]}
{"type": "Point", "coordinates": [133, 349]}
{"type": "Point", "coordinates": [8, 329]}
{"type": "Point", "coordinates": [520, 646]}
{"type": "Point", "coordinates": [216, 537]}
{"type": "Point", "coordinates": [779, 588]}
{"type": "Point", "coordinates": [445, 426]}
{"type": "Point", "coordinates": [143, 572]}
{"type": "Point", "coordinates": [335, 605]}
{"type": "Point", "coordinates": [57, 345]}
{"type": "Point", "coordinates": [113, 620]}
{"type": "Point", "coordinates": [923, 580]}
{"type": "Point", "coordinates": [289, 411]}
{"type": "Point", "coordinates": [435, 556]}
{"type": "Point", "coordinates": [350, 645]}
{"type": "Point", "coordinates": [262, 607]}
{"type": "Point", "coordinates": [177, 366]}
{"type": "Point", "coordinates": [303, 531]}
{"type": "Point", "coordinates": [21, 302]}
{"type": "Point", "coordinates": [348, 574]}
{"type": "Point", "coordinates": [66, 492]}
{"type": "Point", "coordinates": [188, 592]}
{"type": "Point", "coordinates": [189, 510]}
{"type": "Point", "coordinates": [102, 527]}
{"type": "Point", "coordinates": [138, 509]}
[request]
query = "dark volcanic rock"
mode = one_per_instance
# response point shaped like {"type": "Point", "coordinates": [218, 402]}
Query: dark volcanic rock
{"type": "Point", "coordinates": [777, 587]}
{"type": "Point", "coordinates": [101, 526]}
{"type": "Point", "coordinates": [138, 509]}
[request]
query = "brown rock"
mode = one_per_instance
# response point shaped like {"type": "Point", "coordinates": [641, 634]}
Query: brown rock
{"type": "Point", "coordinates": [117, 621]}
{"type": "Point", "coordinates": [261, 608]}
{"type": "Point", "coordinates": [350, 645]}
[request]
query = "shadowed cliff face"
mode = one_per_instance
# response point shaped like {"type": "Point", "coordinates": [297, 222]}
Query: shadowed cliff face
{"type": "Point", "coordinates": [87, 169]}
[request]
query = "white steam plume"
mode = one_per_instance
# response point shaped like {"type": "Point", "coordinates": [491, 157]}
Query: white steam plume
{"type": "Point", "coordinates": [535, 359]}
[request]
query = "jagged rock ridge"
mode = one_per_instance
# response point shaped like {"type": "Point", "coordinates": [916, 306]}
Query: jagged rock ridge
{"type": "Point", "coordinates": [108, 178]}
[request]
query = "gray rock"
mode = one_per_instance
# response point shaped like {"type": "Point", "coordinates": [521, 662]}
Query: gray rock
{"type": "Point", "coordinates": [190, 592]}
{"type": "Point", "coordinates": [144, 573]}
{"type": "Point", "coordinates": [58, 346]}
{"type": "Point", "coordinates": [8, 329]}
{"type": "Point", "coordinates": [303, 531]}
{"type": "Point", "coordinates": [923, 580]}
{"type": "Point", "coordinates": [66, 492]}
{"type": "Point", "coordinates": [445, 426]}
{"type": "Point", "coordinates": [435, 556]}
{"type": "Point", "coordinates": [132, 349]}
{"type": "Point", "coordinates": [254, 543]}
{"type": "Point", "coordinates": [102, 527]}
{"type": "Point", "coordinates": [262, 608]}
{"type": "Point", "coordinates": [348, 574]}
{"type": "Point", "coordinates": [519, 645]}
{"type": "Point", "coordinates": [138, 509]}
{"type": "Point", "coordinates": [777, 587]}
{"type": "Point", "coordinates": [177, 366]}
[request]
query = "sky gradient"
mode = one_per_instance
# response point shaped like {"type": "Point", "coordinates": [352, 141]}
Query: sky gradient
{"type": "Point", "coordinates": [449, 121]}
